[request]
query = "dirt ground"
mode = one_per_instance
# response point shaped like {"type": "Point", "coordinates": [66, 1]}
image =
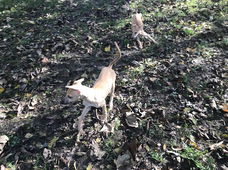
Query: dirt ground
{"type": "Point", "coordinates": [171, 98]}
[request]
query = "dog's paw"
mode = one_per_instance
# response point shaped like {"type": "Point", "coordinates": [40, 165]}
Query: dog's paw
{"type": "Point", "coordinates": [110, 107]}
{"type": "Point", "coordinates": [78, 138]}
{"type": "Point", "coordinates": [80, 133]}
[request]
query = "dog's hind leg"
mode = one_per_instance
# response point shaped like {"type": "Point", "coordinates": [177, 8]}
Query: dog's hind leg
{"type": "Point", "coordinates": [105, 113]}
{"type": "Point", "coordinates": [111, 97]}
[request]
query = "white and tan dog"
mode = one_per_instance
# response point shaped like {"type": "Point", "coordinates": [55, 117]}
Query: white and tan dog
{"type": "Point", "coordinates": [137, 29]}
{"type": "Point", "coordinates": [95, 96]}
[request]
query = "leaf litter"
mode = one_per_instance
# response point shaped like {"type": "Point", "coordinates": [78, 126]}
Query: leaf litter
{"type": "Point", "coordinates": [176, 91]}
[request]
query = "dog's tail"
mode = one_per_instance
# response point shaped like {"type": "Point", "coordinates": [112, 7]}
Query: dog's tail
{"type": "Point", "coordinates": [117, 58]}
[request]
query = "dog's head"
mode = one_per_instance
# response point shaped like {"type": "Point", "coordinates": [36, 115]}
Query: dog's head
{"type": "Point", "coordinates": [136, 17]}
{"type": "Point", "coordinates": [73, 92]}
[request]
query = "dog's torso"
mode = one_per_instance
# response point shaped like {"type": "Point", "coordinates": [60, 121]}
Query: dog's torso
{"type": "Point", "coordinates": [137, 24]}
{"type": "Point", "coordinates": [101, 88]}
{"type": "Point", "coordinates": [105, 82]}
{"type": "Point", "coordinates": [95, 96]}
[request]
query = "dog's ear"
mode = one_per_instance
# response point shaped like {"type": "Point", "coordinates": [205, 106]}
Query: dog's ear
{"type": "Point", "coordinates": [79, 81]}
{"type": "Point", "coordinates": [74, 87]}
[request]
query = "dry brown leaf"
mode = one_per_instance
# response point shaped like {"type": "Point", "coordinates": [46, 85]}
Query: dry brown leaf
{"type": "Point", "coordinates": [225, 107]}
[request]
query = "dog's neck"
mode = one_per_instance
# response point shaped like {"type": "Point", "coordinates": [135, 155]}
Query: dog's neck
{"type": "Point", "coordinates": [91, 94]}
{"type": "Point", "coordinates": [85, 91]}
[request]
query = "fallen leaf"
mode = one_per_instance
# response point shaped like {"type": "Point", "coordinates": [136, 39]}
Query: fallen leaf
{"type": "Point", "coordinates": [20, 108]}
{"type": "Point", "coordinates": [147, 148]}
{"type": "Point", "coordinates": [164, 147]}
{"type": "Point", "coordinates": [186, 109]}
{"type": "Point", "coordinates": [2, 115]}
{"type": "Point", "coordinates": [190, 90]}
{"type": "Point", "coordinates": [45, 60]}
{"type": "Point", "coordinates": [152, 79]}
{"type": "Point", "coordinates": [107, 49]}
{"type": "Point", "coordinates": [98, 140]}
{"type": "Point", "coordinates": [107, 128]}
{"type": "Point", "coordinates": [3, 141]}
{"type": "Point", "coordinates": [28, 135]}
{"type": "Point", "coordinates": [213, 104]}
{"type": "Point", "coordinates": [97, 151]}
{"type": "Point", "coordinates": [3, 81]}
{"type": "Point", "coordinates": [131, 120]}
{"type": "Point", "coordinates": [216, 145]}
{"type": "Point", "coordinates": [28, 95]}
{"type": "Point", "coordinates": [123, 160]}
{"type": "Point", "coordinates": [177, 148]}
{"type": "Point", "coordinates": [225, 107]}
{"type": "Point", "coordinates": [33, 101]}
{"type": "Point", "coordinates": [225, 136]}
{"type": "Point", "coordinates": [89, 167]}
{"type": "Point", "coordinates": [188, 49]}
{"type": "Point", "coordinates": [117, 150]}
{"type": "Point", "coordinates": [1, 89]}
{"type": "Point", "coordinates": [46, 153]}
{"type": "Point", "coordinates": [193, 144]}
{"type": "Point", "coordinates": [52, 143]}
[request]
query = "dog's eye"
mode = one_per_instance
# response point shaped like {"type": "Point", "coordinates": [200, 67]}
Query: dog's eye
{"type": "Point", "coordinates": [70, 97]}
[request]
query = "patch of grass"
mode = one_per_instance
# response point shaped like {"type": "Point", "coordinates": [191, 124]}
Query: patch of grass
{"type": "Point", "coordinates": [207, 50]}
{"type": "Point", "coordinates": [138, 70]}
{"type": "Point", "coordinates": [225, 40]}
{"type": "Point", "coordinates": [12, 6]}
{"type": "Point", "coordinates": [117, 25]}
{"type": "Point", "coordinates": [109, 143]}
{"type": "Point", "coordinates": [201, 159]}
{"type": "Point", "coordinates": [122, 23]}
{"type": "Point", "coordinates": [189, 31]}
{"type": "Point", "coordinates": [156, 131]}
{"type": "Point", "coordinates": [194, 5]}
{"type": "Point", "coordinates": [11, 166]}
{"type": "Point", "coordinates": [158, 157]}
{"type": "Point", "coordinates": [134, 5]}
{"type": "Point", "coordinates": [186, 130]}
{"type": "Point", "coordinates": [14, 141]}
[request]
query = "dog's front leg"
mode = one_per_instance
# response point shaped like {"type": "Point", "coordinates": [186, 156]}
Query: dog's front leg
{"type": "Point", "coordinates": [80, 121]}
{"type": "Point", "coordinates": [139, 42]}
{"type": "Point", "coordinates": [111, 97]}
